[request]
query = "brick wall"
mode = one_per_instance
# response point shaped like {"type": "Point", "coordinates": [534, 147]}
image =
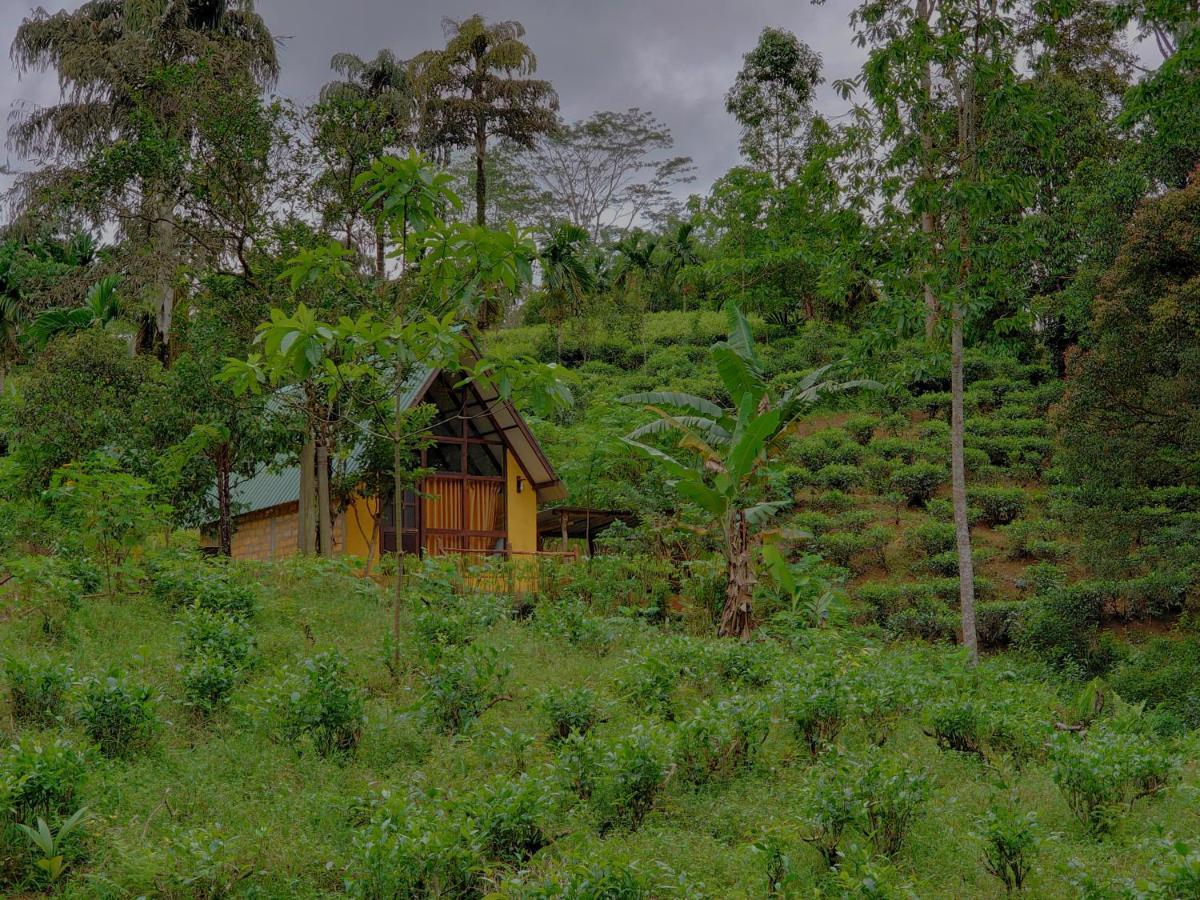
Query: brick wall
{"type": "Point", "coordinates": [273, 533]}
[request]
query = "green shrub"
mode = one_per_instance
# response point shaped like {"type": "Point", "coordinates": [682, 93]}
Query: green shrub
{"type": "Point", "coordinates": [861, 428]}
{"type": "Point", "coordinates": [1165, 675]}
{"type": "Point", "coordinates": [414, 854]}
{"type": "Point", "coordinates": [832, 806]}
{"type": "Point", "coordinates": [999, 505]}
{"type": "Point", "coordinates": [958, 725]}
{"type": "Point", "coordinates": [748, 663]}
{"type": "Point", "coordinates": [931, 538]}
{"type": "Point", "coordinates": [509, 817]}
{"type": "Point", "coordinates": [185, 581]}
{"type": "Point", "coordinates": [1060, 627]}
{"type": "Point", "coordinates": [1103, 773]}
{"type": "Point", "coordinates": [592, 880]}
{"type": "Point", "coordinates": [217, 634]}
{"type": "Point", "coordinates": [928, 619]}
{"type": "Point", "coordinates": [998, 624]}
{"type": "Point", "coordinates": [891, 794]}
{"type": "Point", "coordinates": [462, 686]}
{"type": "Point", "coordinates": [44, 779]}
{"type": "Point", "coordinates": [720, 739]}
{"type": "Point", "coordinates": [896, 449]}
{"type": "Point", "coordinates": [319, 703]}
{"type": "Point", "coordinates": [833, 501]}
{"type": "Point", "coordinates": [1010, 843]}
{"type": "Point", "coordinates": [118, 714]}
{"type": "Point", "coordinates": [816, 708]}
{"type": "Point", "coordinates": [630, 775]}
{"type": "Point", "coordinates": [815, 523]}
{"type": "Point", "coordinates": [648, 682]}
{"type": "Point", "coordinates": [1177, 874]}
{"type": "Point", "coordinates": [838, 477]}
{"type": "Point", "coordinates": [570, 620]}
{"type": "Point", "coordinates": [1027, 537]}
{"type": "Point", "coordinates": [840, 547]}
{"type": "Point", "coordinates": [38, 690]}
{"type": "Point", "coordinates": [569, 711]}
{"type": "Point", "coordinates": [917, 482]}
{"type": "Point", "coordinates": [855, 521]}
{"type": "Point", "coordinates": [208, 681]}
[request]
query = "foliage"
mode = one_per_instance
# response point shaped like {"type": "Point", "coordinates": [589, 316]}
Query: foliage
{"type": "Point", "coordinates": [45, 778]}
{"type": "Point", "coordinates": [319, 705]}
{"type": "Point", "coordinates": [570, 711]}
{"type": "Point", "coordinates": [918, 481]}
{"type": "Point", "coordinates": [37, 689]}
{"type": "Point", "coordinates": [719, 739]}
{"type": "Point", "coordinates": [463, 685]}
{"type": "Point", "coordinates": [118, 714]}
{"type": "Point", "coordinates": [1010, 838]}
{"type": "Point", "coordinates": [1107, 770]}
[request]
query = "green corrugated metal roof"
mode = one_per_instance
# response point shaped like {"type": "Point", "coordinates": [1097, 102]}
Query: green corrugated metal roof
{"type": "Point", "coordinates": [274, 486]}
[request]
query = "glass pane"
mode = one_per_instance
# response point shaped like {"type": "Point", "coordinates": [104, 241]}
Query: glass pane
{"type": "Point", "coordinates": [485, 459]}
{"type": "Point", "coordinates": [444, 458]}
{"type": "Point", "coordinates": [479, 423]}
{"type": "Point", "coordinates": [408, 510]}
{"type": "Point", "coordinates": [448, 401]}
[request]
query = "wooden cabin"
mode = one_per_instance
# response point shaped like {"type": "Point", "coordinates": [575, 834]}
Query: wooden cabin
{"type": "Point", "coordinates": [489, 477]}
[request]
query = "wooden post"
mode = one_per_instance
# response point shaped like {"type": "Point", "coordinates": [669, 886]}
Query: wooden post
{"type": "Point", "coordinates": [562, 520]}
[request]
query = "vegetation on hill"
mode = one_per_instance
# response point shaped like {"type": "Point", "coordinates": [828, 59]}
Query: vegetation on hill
{"type": "Point", "coordinates": [904, 408]}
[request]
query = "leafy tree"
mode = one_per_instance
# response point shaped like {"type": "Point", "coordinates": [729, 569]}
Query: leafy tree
{"type": "Point", "coordinates": [970, 222]}
{"type": "Point", "coordinates": [567, 278]}
{"type": "Point", "coordinates": [608, 174]}
{"type": "Point", "coordinates": [478, 87]}
{"type": "Point", "coordinates": [358, 120]}
{"type": "Point", "coordinates": [771, 99]}
{"type": "Point", "coordinates": [115, 62]}
{"type": "Point", "coordinates": [1128, 419]}
{"type": "Point", "coordinates": [733, 450]}
{"type": "Point", "coordinates": [72, 401]}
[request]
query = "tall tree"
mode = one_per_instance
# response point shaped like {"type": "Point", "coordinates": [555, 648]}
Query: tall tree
{"type": "Point", "coordinates": [567, 278]}
{"type": "Point", "coordinates": [113, 59]}
{"type": "Point", "coordinates": [608, 173]}
{"type": "Point", "coordinates": [771, 99]}
{"type": "Point", "coordinates": [965, 53]}
{"type": "Point", "coordinates": [479, 87]}
{"type": "Point", "coordinates": [359, 119]}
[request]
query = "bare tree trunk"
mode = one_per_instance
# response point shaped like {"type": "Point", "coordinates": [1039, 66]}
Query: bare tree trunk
{"type": "Point", "coordinates": [380, 256]}
{"type": "Point", "coordinates": [958, 479]}
{"type": "Point", "coordinates": [224, 517]}
{"type": "Point", "coordinates": [306, 537]}
{"type": "Point", "coordinates": [324, 518]}
{"type": "Point", "coordinates": [480, 173]}
{"type": "Point", "coordinates": [736, 617]}
{"type": "Point", "coordinates": [397, 495]}
{"type": "Point", "coordinates": [164, 287]}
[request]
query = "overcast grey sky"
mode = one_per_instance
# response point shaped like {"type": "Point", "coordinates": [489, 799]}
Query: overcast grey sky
{"type": "Point", "coordinates": [674, 57]}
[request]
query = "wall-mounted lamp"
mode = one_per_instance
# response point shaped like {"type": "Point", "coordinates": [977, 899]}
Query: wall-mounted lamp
{"type": "Point", "coordinates": [520, 484]}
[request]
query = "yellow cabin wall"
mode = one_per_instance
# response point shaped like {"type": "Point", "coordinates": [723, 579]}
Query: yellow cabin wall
{"type": "Point", "coordinates": [522, 509]}
{"type": "Point", "coordinates": [272, 534]}
{"type": "Point", "coordinates": [359, 523]}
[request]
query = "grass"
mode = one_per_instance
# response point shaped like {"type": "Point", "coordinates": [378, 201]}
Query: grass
{"type": "Point", "coordinates": [216, 802]}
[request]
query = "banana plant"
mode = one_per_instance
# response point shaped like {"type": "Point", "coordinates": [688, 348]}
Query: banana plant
{"type": "Point", "coordinates": [52, 860]}
{"type": "Point", "coordinates": [731, 450]}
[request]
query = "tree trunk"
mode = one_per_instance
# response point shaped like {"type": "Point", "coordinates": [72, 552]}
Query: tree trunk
{"type": "Point", "coordinates": [224, 517]}
{"type": "Point", "coordinates": [736, 620]}
{"type": "Point", "coordinates": [397, 495]}
{"type": "Point", "coordinates": [380, 255]}
{"type": "Point", "coordinates": [306, 532]}
{"type": "Point", "coordinates": [324, 517]}
{"type": "Point", "coordinates": [480, 173]}
{"type": "Point", "coordinates": [164, 287]}
{"type": "Point", "coordinates": [958, 479]}
{"type": "Point", "coordinates": [924, 13]}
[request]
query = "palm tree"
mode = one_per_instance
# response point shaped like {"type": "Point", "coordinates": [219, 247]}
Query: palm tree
{"type": "Point", "coordinates": [733, 448]}
{"type": "Point", "coordinates": [479, 87]}
{"type": "Point", "coordinates": [361, 117]}
{"type": "Point", "coordinates": [105, 54]}
{"type": "Point", "coordinates": [635, 263]}
{"type": "Point", "coordinates": [680, 255]}
{"type": "Point", "coordinates": [567, 277]}
{"type": "Point", "coordinates": [101, 308]}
